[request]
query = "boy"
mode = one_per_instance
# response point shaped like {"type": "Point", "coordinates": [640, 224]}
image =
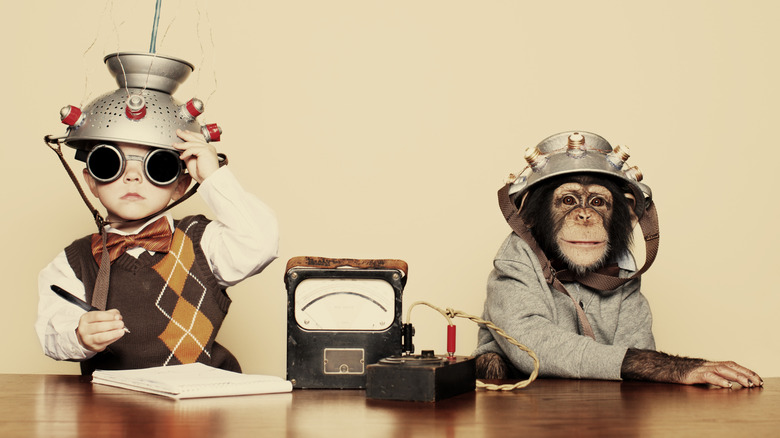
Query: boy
{"type": "Point", "coordinates": [239, 243]}
{"type": "Point", "coordinates": [158, 284]}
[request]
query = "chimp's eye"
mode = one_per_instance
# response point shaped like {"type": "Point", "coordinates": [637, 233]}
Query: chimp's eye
{"type": "Point", "coordinates": [598, 202]}
{"type": "Point", "coordinates": [569, 200]}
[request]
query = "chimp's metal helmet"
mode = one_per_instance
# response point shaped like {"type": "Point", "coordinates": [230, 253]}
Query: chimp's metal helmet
{"type": "Point", "coordinates": [142, 111]}
{"type": "Point", "coordinates": [579, 152]}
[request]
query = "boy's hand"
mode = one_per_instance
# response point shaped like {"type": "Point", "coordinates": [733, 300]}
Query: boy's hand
{"type": "Point", "coordinates": [200, 157]}
{"type": "Point", "coordinates": [99, 329]}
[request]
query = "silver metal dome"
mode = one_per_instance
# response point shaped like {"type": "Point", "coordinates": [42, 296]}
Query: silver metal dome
{"type": "Point", "coordinates": [142, 111]}
{"type": "Point", "coordinates": [579, 152]}
{"type": "Point", "coordinates": [148, 70]}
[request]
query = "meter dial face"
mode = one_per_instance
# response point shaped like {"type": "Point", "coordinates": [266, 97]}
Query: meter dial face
{"type": "Point", "coordinates": [344, 304]}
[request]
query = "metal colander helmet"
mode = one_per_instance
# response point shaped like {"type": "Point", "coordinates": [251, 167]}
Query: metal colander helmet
{"type": "Point", "coordinates": [579, 152]}
{"type": "Point", "coordinates": [142, 111]}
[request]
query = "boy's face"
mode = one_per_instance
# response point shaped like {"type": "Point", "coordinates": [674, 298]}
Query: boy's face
{"type": "Point", "coordinates": [132, 196]}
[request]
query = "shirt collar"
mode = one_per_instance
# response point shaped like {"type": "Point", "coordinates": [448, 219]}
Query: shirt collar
{"type": "Point", "coordinates": [626, 262]}
{"type": "Point", "coordinates": [168, 216]}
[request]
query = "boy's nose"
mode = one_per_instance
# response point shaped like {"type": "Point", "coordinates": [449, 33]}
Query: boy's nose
{"type": "Point", "coordinates": [133, 172]}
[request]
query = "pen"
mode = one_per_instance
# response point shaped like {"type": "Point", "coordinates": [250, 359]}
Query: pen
{"type": "Point", "coordinates": [75, 300]}
{"type": "Point", "coordinates": [72, 298]}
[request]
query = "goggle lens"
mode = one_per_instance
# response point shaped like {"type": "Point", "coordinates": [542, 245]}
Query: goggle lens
{"type": "Point", "coordinates": [162, 166]}
{"type": "Point", "coordinates": [106, 163]}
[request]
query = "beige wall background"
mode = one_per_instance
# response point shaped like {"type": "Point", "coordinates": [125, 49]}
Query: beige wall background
{"type": "Point", "coordinates": [381, 129]}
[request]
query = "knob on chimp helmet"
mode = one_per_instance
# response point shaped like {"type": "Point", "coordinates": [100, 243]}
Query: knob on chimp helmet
{"type": "Point", "coordinates": [142, 111]}
{"type": "Point", "coordinates": [579, 152]}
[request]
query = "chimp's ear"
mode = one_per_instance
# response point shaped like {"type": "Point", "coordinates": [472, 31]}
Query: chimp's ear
{"type": "Point", "coordinates": [632, 205]}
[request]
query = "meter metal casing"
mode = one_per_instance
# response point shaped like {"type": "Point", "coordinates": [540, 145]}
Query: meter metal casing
{"type": "Point", "coordinates": [342, 315]}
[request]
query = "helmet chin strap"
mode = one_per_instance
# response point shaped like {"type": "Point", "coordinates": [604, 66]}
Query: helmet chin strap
{"type": "Point", "coordinates": [100, 292]}
{"type": "Point", "coordinates": [596, 280]}
{"type": "Point", "coordinates": [55, 145]}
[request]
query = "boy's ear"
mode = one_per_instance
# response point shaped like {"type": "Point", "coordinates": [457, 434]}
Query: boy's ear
{"type": "Point", "coordinates": [90, 182]}
{"type": "Point", "coordinates": [181, 186]}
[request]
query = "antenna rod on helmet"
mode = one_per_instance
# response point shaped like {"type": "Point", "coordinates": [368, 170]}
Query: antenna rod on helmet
{"type": "Point", "coordinates": [153, 44]}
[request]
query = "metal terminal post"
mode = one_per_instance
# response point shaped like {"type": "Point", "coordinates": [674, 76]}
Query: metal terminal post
{"type": "Point", "coordinates": [535, 158]}
{"type": "Point", "coordinates": [407, 332]}
{"type": "Point", "coordinates": [618, 156]}
{"type": "Point", "coordinates": [575, 145]}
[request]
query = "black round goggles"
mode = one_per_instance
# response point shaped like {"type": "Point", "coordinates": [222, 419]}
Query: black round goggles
{"type": "Point", "coordinates": [106, 163]}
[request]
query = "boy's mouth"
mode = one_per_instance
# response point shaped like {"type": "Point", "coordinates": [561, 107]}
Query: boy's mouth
{"type": "Point", "coordinates": [132, 197]}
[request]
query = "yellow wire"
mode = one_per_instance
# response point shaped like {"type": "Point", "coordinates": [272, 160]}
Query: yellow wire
{"type": "Point", "coordinates": [450, 313]}
{"type": "Point", "coordinates": [425, 303]}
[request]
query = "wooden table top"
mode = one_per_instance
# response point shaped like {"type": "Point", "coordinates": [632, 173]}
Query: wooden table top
{"type": "Point", "coordinates": [68, 406]}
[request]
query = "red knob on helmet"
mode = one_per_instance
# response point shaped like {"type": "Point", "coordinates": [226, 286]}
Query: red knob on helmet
{"type": "Point", "coordinates": [212, 132]}
{"type": "Point", "coordinates": [136, 107]}
{"type": "Point", "coordinates": [71, 115]}
{"type": "Point", "coordinates": [192, 109]}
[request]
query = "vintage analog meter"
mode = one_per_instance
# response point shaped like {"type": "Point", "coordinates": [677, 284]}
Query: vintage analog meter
{"type": "Point", "coordinates": [342, 315]}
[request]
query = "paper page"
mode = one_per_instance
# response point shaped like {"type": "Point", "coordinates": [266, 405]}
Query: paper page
{"type": "Point", "coordinates": [190, 381]}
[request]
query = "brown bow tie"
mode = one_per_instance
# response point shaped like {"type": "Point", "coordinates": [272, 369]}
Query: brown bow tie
{"type": "Point", "coordinates": [155, 237]}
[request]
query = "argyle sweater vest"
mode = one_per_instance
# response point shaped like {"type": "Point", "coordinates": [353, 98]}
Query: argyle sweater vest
{"type": "Point", "coordinates": [171, 303]}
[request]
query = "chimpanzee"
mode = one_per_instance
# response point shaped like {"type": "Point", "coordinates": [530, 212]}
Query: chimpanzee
{"type": "Point", "coordinates": [565, 283]}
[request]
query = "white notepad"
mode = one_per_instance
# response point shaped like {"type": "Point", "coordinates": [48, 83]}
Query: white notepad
{"type": "Point", "coordinates": [191, 381]}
